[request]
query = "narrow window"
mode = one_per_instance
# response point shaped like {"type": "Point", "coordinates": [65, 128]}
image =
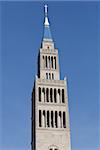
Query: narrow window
{"type": "Point", "coordinates": [59, 96]}
{"type": "Point", "coordinates": [52, 62]}
{"type": "Point", "coordinates": [46, 61]}
{"type": "Point", "coordinates": [49, 62]}
{"type": "Point", "coordinates": [55, 62]}
{"type": "Point", "coordinates": [47, 95]}
{"type": "Point", "coordinates": [48, 125]}
{"type": "Point", "coordinates": [60, 119]}
{"type": "Point", "coordinates": [64, 120]}
{"type": "Point", "coordinates": [46, 75]}
{"type": "Point", "coordinates": [43, 94]}
{"type": "Point", "coordinates": [39, 92]}
{"type": "Point", "coordinates": [52, 119]}
{"type": "Point", "coordinates": [51, 95]}
{"type": "Point", "coordinates": [44, 118]}
{"type": "Point", "coordinates": [52, 76]}
{"type": "Point", "coordinates": [55, 97]}
{"type": "Point", "coordinates": [43, 60]}
{"type": "Point", "coordinates": [49, 76]}
{"type": "Point", "coordinates": [39, 118]}
{"type": "Point", "coordinates": [63, 97]}
{"type": "Point", "coordinates": [56, 124]}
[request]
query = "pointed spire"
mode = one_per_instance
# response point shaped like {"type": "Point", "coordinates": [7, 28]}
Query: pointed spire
{"type": "Point", "coordinates": [46, 23]}
{"type": "Point", "coordinates": [47, 34]}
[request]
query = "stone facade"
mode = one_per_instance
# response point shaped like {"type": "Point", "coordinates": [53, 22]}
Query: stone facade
{"type": "Point", "coordinates": [50, 115]}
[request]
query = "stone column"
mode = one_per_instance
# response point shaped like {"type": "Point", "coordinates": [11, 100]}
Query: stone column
{"type": "Point", "coordinates": [54, 119]}
{"type": "Point", "coordinates": [57, 96]}
{"type": "Point", "coordinates": [61, 119]}
{"type": "Point", "coordinates": [58, 118]}
{"type": "Point", "coordinates": [42, 118]}
{"type": "Point", "coordinates": [52, 95]}
{"type": "Point", "coordinates": [42, 95]}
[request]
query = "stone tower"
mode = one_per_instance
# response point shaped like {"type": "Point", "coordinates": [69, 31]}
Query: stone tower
{"type": "Point", "coordinates": [50, 115]}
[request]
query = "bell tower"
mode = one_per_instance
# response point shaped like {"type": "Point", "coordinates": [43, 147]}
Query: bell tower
{"type": "Point", "coordinates": [50, 115]}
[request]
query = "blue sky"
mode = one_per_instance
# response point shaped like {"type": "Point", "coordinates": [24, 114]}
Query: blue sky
{"type": "Point", "coordinates": [75, 30]}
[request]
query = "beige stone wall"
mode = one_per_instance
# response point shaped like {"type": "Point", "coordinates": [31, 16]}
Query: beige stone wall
{"type": "Point", "coordinates": [46, 137]}
{"type": "Point", "coordinates": [58, 135]}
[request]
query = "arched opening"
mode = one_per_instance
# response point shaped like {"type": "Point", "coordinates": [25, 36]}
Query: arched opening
{"type": "Point", "coordinates": [49, 76]}
{"type": "Point", "coordinates": [63, 96]}
{"type": "Point", "coordinates": [46, 75]}
{"type": "Point", "coordinates": [44, 119]}
{"type": "Point", "coordinates": [51, 94]}
{"type": "Point", "coordinates": [64, 120]}
{"type": "Point", "coordinates": [53, 147]}
{"type": "Point", "coordinates": [55, 62]}
{"type": "Point", "coordinates": [49, 62]}
{"type": "Point", "coordinates": [47, 95]}
{"type": "Point", "coordinates": [52, 125]}
{"type": "Point", "coordinates": [55, 98]}
{"type": "Point", "coordinates": [43, 61]}
{"type": "Point", "coordinates": [60, 119]}
{"type": "Point", "coordinates": [52, 62]}
{"type": "Point", "coordinates": [56, 123]}
{"type": "Point", "coordinates": [46, 61]}
{"type": "Point", "coordinates": [43, 94]}
{"type": "Point", "coordinates": [48, 123]}
{"type": "Point", "coordinates": [59, 96]}
{"type": "Point", "coordinates": [52, 76]}
{"type": "Point", "coordinates": [39, 94]}
{"type": "Point", "coordinates": [40, 118]}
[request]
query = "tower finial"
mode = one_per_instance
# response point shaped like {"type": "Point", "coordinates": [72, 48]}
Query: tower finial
{"type": "Point", "coordinates": [46, 22]}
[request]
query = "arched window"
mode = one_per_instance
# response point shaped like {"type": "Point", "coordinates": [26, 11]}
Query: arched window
{"type": "Point", "coordinates": [46, 75]}
{"type": "Point", "coordinates": [59, 96]}
{"type": "Point", "coordinates": [48, 123]}
{"type": "Point", "coordinates": [39, 93]}
{"type": "Point", "coordinates": [60, 121]}
{"type": "Point", "coordinates": [43, 94]}
{"type": "Point", "coordinates": [47, 95]}
{"type": "Point", "coordinates": [43, 61]}
{"type": "Point", "coordinates": [63, 96]}
{"type": "Point", "coordinates": [64, 120]}
{"type": "Point", "coordinates": [53, 147]}
{"type": "Point", "coordinates": [55, 62]}
{"type": "Point", "coordinates": [51, 94]}
{"type": "Point", "coordinates": [46, 61]}
{"type": "Point", "coordinates": [49, 76]}
{"type": "Point", "coordinates": [52, 123]}
{"type": "Point", "coordinates": [49, 62]}
{"type": "Point", "coordinates": [44, 119]}
{"type": "Point", "coordinates": [56, 120]}
{"type": "Point", "coordinates": [52, 76]}
{"type": "Point", "coordinates": [52, 62]}
{"type": "Point", "coordinates": [40, 118]}
{"type": "Point", "coordinates": [55, 97]}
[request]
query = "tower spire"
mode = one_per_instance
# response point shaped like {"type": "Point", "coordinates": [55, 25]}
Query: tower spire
{"type": "Point", "coordinates": [47, 34]}
{"type": "Point", "coordinates": [46, 23]}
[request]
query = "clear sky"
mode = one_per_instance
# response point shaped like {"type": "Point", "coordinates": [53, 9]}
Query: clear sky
{"type": "Point", "coordinates": [75, 30]}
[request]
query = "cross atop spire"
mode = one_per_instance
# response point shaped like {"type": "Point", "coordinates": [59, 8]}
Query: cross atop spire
{"type": "Point", "coordinates": [46, 23]}
{"type": "Point", "coordinates": [47, 33]}
{"type": "Point", "coordinates": [46, 9]}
